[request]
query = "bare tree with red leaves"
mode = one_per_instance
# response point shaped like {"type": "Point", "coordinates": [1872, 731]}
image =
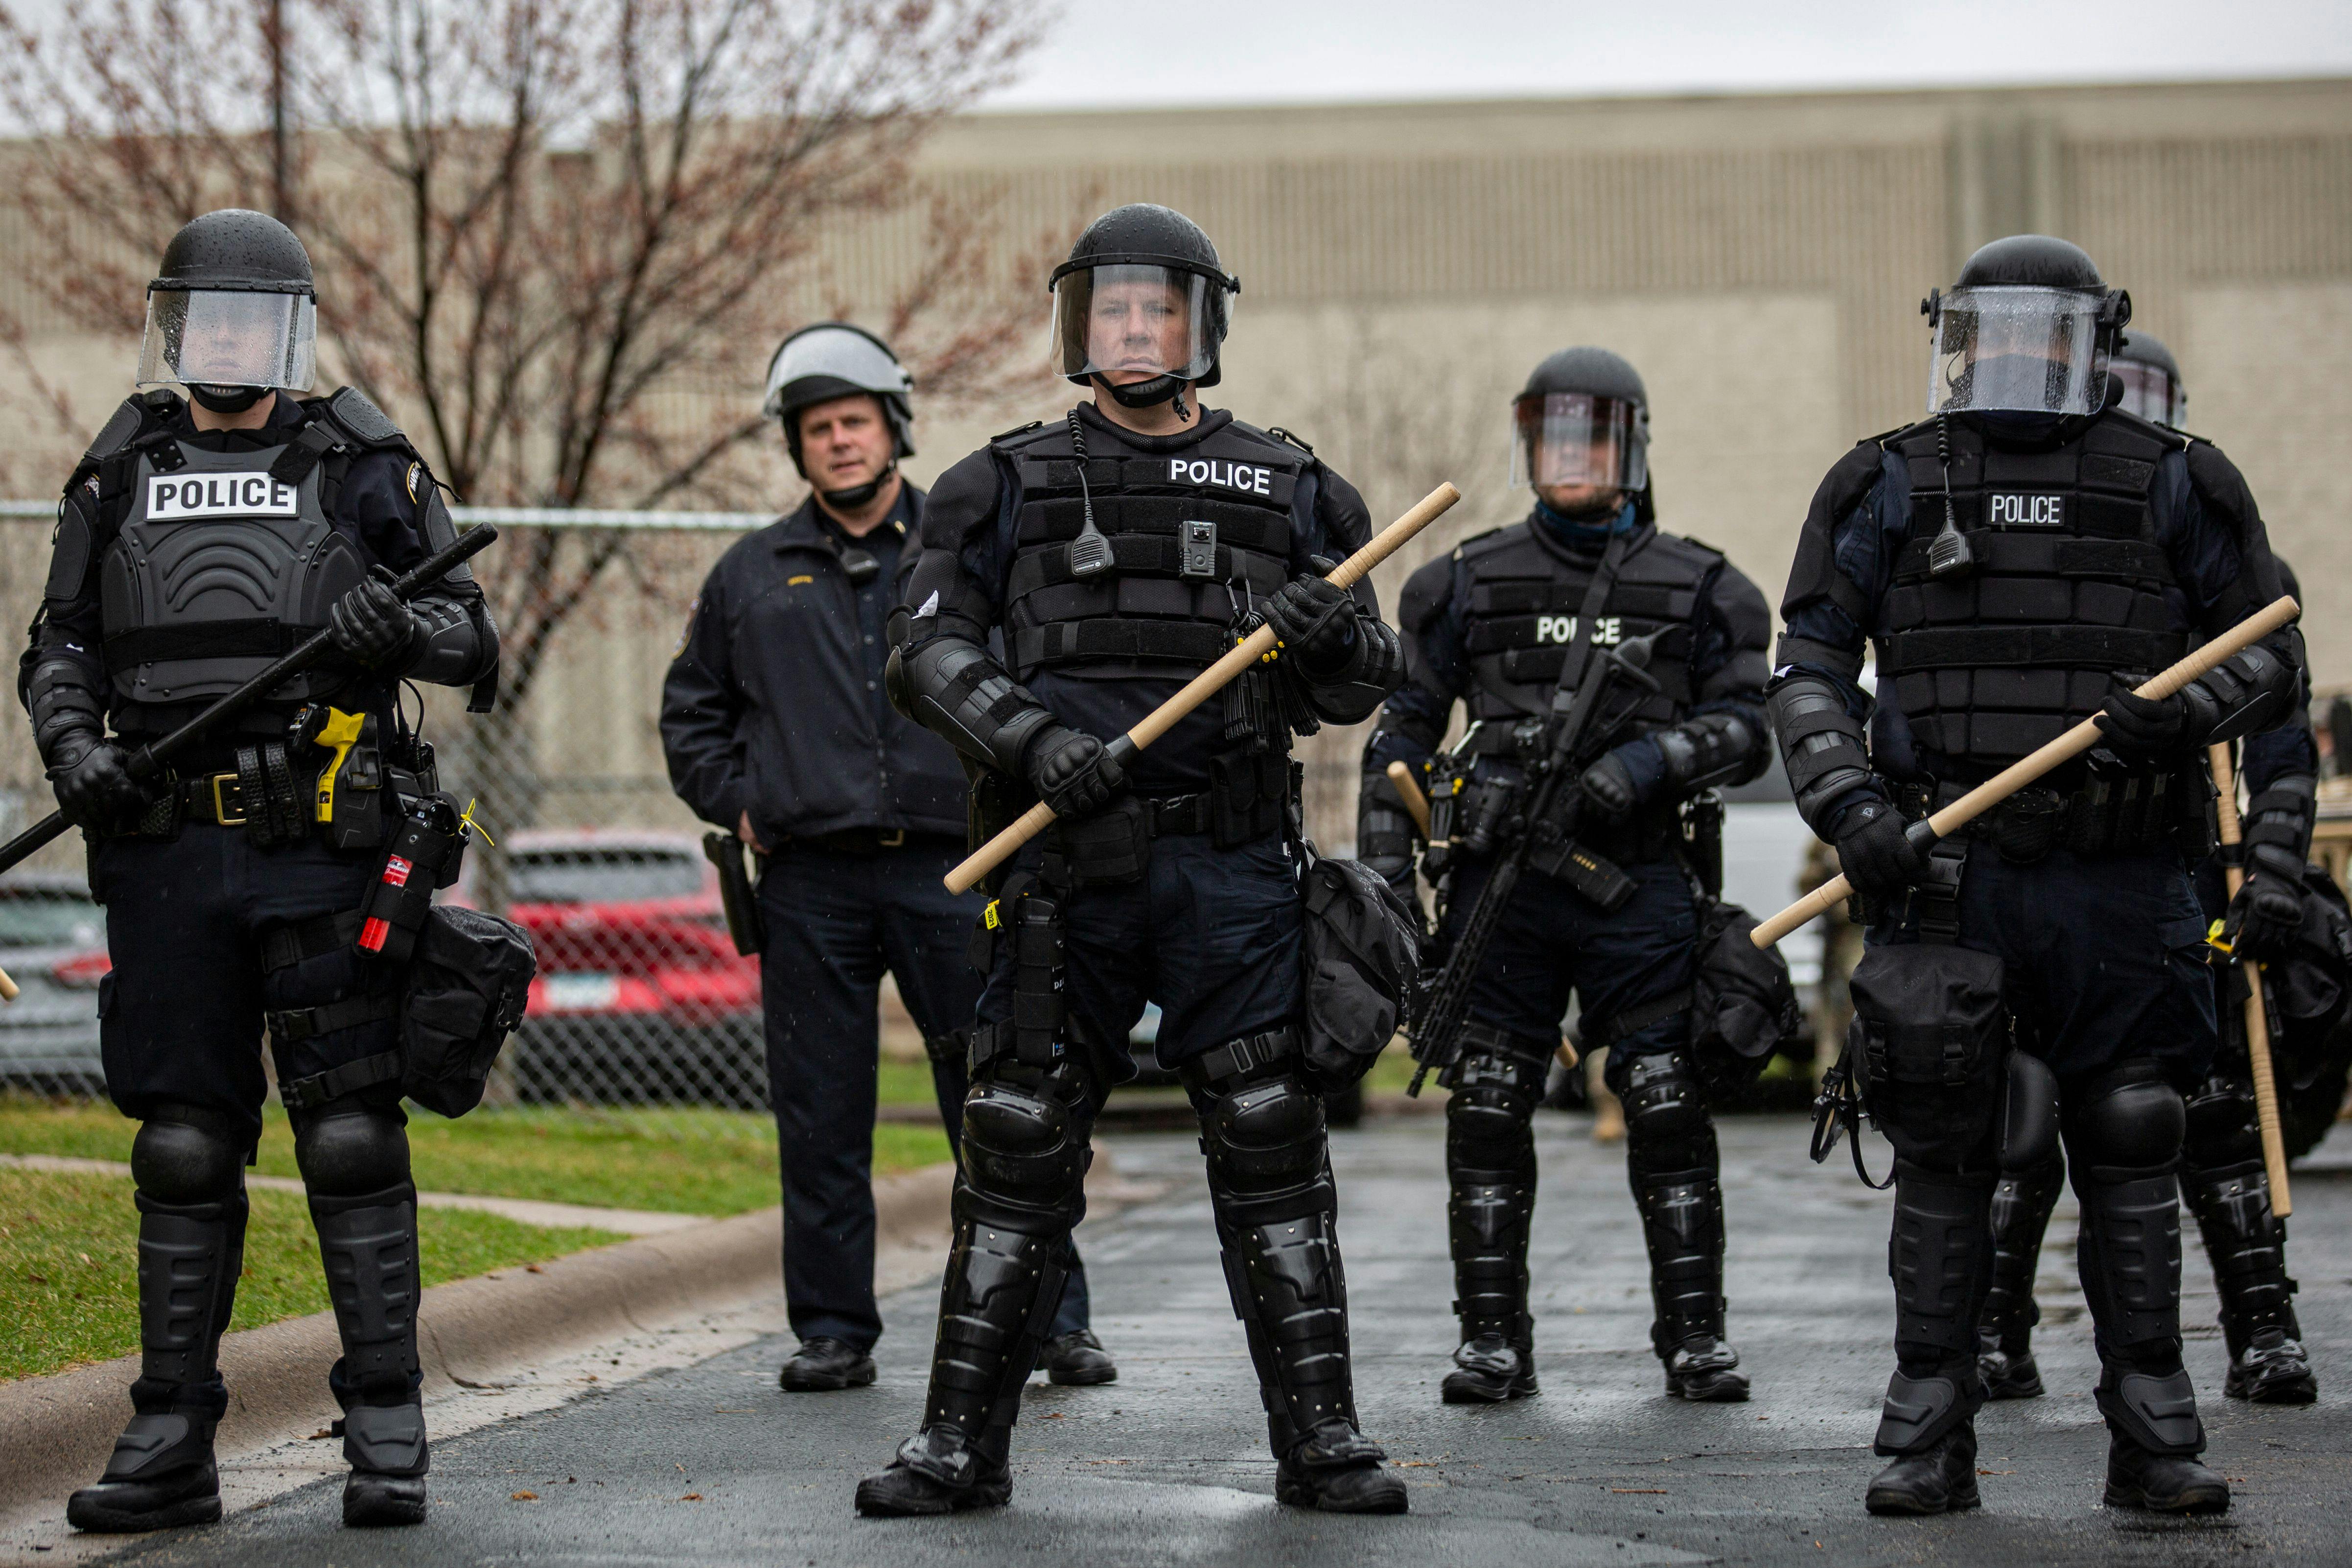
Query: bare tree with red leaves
{"type": "Point", "coordinates": [537, 222]}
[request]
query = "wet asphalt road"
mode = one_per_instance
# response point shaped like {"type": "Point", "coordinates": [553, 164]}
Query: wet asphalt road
{"type": "Point", "coordinates": [714, 1465]}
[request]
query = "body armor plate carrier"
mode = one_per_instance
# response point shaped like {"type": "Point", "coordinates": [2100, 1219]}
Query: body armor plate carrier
{"type": "Point", "coordinates": [2066, 590]}
{"type": "Point", "coordinates": [1197, 538]}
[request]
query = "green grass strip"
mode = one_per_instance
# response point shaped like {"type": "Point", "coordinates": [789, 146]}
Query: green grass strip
{"type": "Point", "coordinates": [69, 1264]}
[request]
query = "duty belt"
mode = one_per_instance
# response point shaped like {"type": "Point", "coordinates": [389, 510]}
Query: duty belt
{"type": "Point", "coordinates": [851, 840]}
{"type": "Point", "coordinates": [2105, 814]}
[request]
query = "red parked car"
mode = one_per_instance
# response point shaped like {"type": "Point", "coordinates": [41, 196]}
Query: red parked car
{"type": "Point", "coordinates": [641, 997]}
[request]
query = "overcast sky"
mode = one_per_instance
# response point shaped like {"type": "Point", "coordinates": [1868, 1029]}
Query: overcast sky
{"type": "Point", "coordinates": [1117, 52]}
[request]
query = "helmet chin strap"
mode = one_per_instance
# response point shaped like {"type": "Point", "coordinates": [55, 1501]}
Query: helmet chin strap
{"type": "Point", "coordinates": [858, 496]}
{"type": "Point", "coordinates": [227, 399]}
{"type": "Point", "coordinates": [1145, 394]}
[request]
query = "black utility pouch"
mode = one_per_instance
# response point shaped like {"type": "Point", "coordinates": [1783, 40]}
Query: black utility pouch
{"type": "Point", "coordinates": [1247, 793]}
{"type": "Point", "coordinates": [1932, 1037]}
{"type": "Point", "coordinates": [1362, 955]}
{"type": "Point", "coordinates": [1743, 1003]}
{"type": "Point", "coordinates": [1106, 846]}
{"type": "Point", "coordinates": [467, 986]}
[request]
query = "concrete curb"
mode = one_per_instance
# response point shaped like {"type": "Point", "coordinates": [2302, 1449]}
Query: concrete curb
{"type": "Point", "coordinates": [57, 1432]}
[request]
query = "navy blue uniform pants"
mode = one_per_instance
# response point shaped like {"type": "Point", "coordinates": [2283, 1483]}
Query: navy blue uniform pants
{"type": "Point", "coordinates": [1551, 941]}
{"type": "Point", "coordinates": [180, 1015]}
{"type": "Point", "coordinates": [836, 923]}
{"type": "Point", "coordinates": [1212, 935]}
{"type": "Point", "coordinates": [2103, 957]}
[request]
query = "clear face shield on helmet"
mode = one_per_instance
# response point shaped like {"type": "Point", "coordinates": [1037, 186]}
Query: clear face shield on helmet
{"type": "Point", "coordinates": [2018, 348]}
{"type": "Point", "coordinates": [1130, 323]}
{"type": "Point", "coordinates": [226, 337]}
{"type": "Point", "coordinates": [2150, 392]}
{"type": "Point", "coordinates": [1570, 438]}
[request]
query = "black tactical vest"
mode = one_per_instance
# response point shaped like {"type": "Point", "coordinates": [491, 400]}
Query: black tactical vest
{"type": "Point", "coordinates": [2067, 592]}
{"type": "Point", "coordinates": [1197, 538]}
{"type": "Point", "coordinates": [217, 569]}
{"type": "Point", "coordinates": [1525, 596]}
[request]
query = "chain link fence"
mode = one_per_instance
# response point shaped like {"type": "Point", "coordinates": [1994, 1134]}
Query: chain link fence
{"type": "Point", "coordinates": [642, 1001]}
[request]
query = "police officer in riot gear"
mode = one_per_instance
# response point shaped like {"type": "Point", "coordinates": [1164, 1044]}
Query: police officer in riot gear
{"type": "Point", "coordinates": [1490, 626]}
{"type": "Point", "coordinates": [1118, 552]}
{"type": "Point", "coordinates": [199, 541]}
{"type": "Point", "coordinates": [776, 725]}
{"type": "Point", "coordinates": [2020, 559]}
{"type": "Point", "coordinates": [2222, 1174]}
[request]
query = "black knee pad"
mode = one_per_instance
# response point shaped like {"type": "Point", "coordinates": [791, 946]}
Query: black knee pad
{"type": "Point", "coordinates": [2221, 1128]}
{"type": "Point", "coordinates": [1486, 1116]}
{"type": "Point", "coordinates": [1025, 1149]}
{"type": "Point", "coordinates": [348, 1151]}
{"type": "Point", "coordinates": [179, 1163]}
{"type": "Point", "coordinates": [1666, 1124]}
{"type": "Point", "coordinates": [1266, 1149]}
{"type": "Point", "coordinates": [2126, 1119]}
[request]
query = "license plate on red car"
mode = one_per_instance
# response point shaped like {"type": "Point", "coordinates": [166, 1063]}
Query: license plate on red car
{"type": "Point", "coordinates": [581, 993]}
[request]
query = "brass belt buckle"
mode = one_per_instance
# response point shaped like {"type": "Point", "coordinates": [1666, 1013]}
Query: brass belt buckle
{"type": "Point", "coordinates": [890, 838]}
{"type": "Point", "coordinates": [220, 807]}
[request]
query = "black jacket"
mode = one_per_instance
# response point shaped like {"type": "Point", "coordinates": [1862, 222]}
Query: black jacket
{"type": "Point", "coordinates": [774, 702]}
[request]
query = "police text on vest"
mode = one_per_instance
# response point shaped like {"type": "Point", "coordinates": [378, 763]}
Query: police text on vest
{"type": "Point", "coordinates": [172, 496]}
{"type": "Point", "coordinates": [1608, 631]}
{"type": "Point", "coordinates": [2028, 512]}
{"type": "Point", "coordinates": [1210, 471]}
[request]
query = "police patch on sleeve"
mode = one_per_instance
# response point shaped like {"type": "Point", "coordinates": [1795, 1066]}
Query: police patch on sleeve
{"type": "Point", "coordinates": [416, 472]}
{"type": "Point", "coordinates": [693, 608]}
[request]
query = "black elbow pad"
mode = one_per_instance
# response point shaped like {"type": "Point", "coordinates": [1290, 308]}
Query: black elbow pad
{"type": "Point", "coordinates": [1823, 745]}
{"type": "Point", "coordinates": [959, 693]}
{"type": "Point", "coordinates": [2283, 816]}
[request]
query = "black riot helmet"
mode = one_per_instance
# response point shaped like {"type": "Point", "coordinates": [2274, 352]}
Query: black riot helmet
{"type": "Point", "coordinates": [830, 360]}
{"type": "Point", "coordinates": [2151, 380]}
{"type": "Point", "coordinates": [1143, 291]}
{"type": "Point", "coordinates": [2028, 328]}
{"type": "Point", "coordinates": [1583, 418]}
{"type": "Point", "coordinates": [233, 312]}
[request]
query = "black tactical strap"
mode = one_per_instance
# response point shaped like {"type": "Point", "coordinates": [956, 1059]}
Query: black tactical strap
{"type": "Point", "coordinates": [1180, 814]}
{"type": "Point", "coordinates": [1936, 900]}
{"type": "Point", "coordinates": [2029, 646]}
{"type": "Point", "coordinates": [284, 946]}
{"type": "Point", "coordinates": [1631, 1021]}
{"type": "Point", "coordinates": [1251, 527]}
{"type": "Point", "coordinates": [1189, 642]}
{"type": "Point", "coordinates": [2040, 555]}
{"type": "Point", "coordinates": [253, 638]}
{"type": "Point", "coordinates": [1157, 556]}
{"type": "Point", "coordinates": [300, 456]}
{"type": "Point", "coordinates": [1249, 1056]}
{"type": "Point", "coordinates": [307, 1093]}
{"type": "Point", "coordinates": [309, 1023]}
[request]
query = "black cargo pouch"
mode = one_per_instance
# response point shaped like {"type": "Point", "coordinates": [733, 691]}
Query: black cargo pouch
{"type": "Point", "coordinates": [1249, 797]}
{"type": "Point", "coordinates": [1743, 1003]}
{"type": "Point", "coordinates": [1361, 956]}
{"type": "Point", "coordinates": [1103, 848]}
{"type": "Point", "coordinates": [469, 984]}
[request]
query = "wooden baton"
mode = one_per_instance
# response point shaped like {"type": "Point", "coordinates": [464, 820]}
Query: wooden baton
{"type": "Point", "coordinates": [1409, 791]}
{"type": "Point", "coordinates": [2026, 769]}
{"type": "Point", "coordinates": [2258, 1023]}
{"type": "Point", "coordinates": [1206, 685]}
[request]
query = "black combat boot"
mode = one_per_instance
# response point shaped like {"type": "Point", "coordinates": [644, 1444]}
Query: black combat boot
{"type": "Point", "coordinates": [2020, 1214]}
{"type": "Point", "coordinates": [1025, 1150]}
{"type": "Point", "coordinates": [369, 1247]}
{"type": "Point", "coordinates": [2247, 1244]}
{"type": "Point", "coordinates": [162, 1472]}
{"type": "Point", "coordinates": [2154, 1439]}
{"type": "Point", "coordinates": [1270, 1185]}
{"type": "Point", "coordinates": [1491, 1175]}
{"type": "Point", "coordinates": [1682, 1221]}
{"type": "Point", "coordinates": [1936, 1475]}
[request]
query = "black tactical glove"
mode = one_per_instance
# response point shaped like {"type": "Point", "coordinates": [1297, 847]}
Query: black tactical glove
{"type": "Point", "coordinates": [1315, 619]}
{"type": "Point", "coordinates": [2161, 728]}
{"type": "Point", "coordinates": [374, 628]}
{"type": "Point", "coordinates": [93, 783]}
{"type": "Point", "coordinates": [1071, 771]}
{"type": "Point", "coordinates": [2262, 920]}
{"type": "Point", "coordinates": [1875, 855]}
{"type": "Point", "coordinates": [1624, 779]}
